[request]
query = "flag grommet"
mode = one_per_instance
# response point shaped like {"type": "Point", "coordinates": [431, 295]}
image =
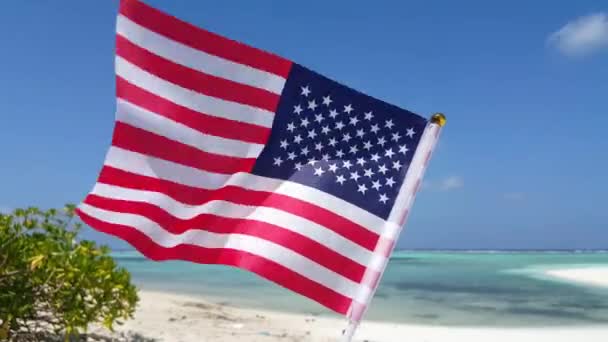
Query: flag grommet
{"type": "Point", "coordinates": [438, 118]}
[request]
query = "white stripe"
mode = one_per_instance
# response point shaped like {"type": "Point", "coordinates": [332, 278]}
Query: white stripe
{"type": "Point", "coordinates": [285, 220]}
{"type": "Point", "coordinates": [188, 98]}
{"type": "Point", "coordinates": [153, 167]}
{"type": "Point", "coordinates": [266, 249]}
{"type": "Point", "coordinates": [196, 59]}
{"type": "Point", "coordinates": [151, 122]}
{"type": "Point", "coordinates": [162, 169]}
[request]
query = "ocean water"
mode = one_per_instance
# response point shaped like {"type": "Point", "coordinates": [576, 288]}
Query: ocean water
{"type": "Point", "coordinates": [434, 288]}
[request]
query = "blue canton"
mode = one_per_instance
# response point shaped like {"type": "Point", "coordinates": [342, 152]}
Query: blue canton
{"type": "Point", "coordinates": [340, 141]}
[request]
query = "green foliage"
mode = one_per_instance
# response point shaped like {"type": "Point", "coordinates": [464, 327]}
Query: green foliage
{"type": "Point", "coordinates": [51, 281]}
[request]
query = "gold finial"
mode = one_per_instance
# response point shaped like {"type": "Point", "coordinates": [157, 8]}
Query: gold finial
{"type": "Point", "coordinates": [438, 118]}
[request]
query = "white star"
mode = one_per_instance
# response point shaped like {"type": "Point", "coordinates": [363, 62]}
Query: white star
{"type": "Point", "coordinates": [354, 149]}
{"type": "Point", "coordinates": [362, 189]}
{"type": "Point", "coordinates": [305, 91]}
{"type": "Point", "coordinates": [291, 126]}
{"type": "Point", "coordinates": [284, 144]}
{"type": "Point", "coordinates": [396, 137]}
{"type": "Point", "coordinates": [397, 166]}
{"type": "Point", "coordinates": [410, 132]}
{"type": "Point", "coordinates": [333, 113]}
{"type": "Point", "coordinates": [340, 179]}
{"type": "Point", "coordinates": [297, 109]}
{"type": "Point", "coordinates": [367, 145]}
{"type": "Point", "coordinates": [375, 157]}
{"type": "Point", "coordinates": [325, 130]}
{"type": "Point", "coordinates": [333, 167]}
{"type": "Point", "coordinates": [382, 169]}
{"type": "Point", "coordinates": [304, 151]}
{"type": "Point", "coordinates": [361, 161]}
{"type": "Point", "coordinates": [403, 149]}
{"type": "Point", "coordinates": [339, 125]}
{"type": "Point", "coordinates": [383, 198]}
{"type": "Point", "coordinates": [390, 182]}
{"type": "Point", "coordinates": [381, 141]}
{"type": "Point", "coordinates": [325, 157]}
{"type": "Point", "coordinates": [360, 133]}
{"type": "Point", "coordinates": [332, 142]}
{"type": "Point", "coordinates": [277, 161]}
{"type": "Point", "coordinates": [376, 185]}
{"type": "Point", "coordinates": [346, 137]}
{"type": "Point", "coordinates": [354, 121]}
{"type": "Point", "coordinates": [389, 153]}
{"type": "Point", "coordinates": [348, 108]}
{"type": "Point", "coordinates": [327, 100]}
{"type": "Point", "coordinates": [297, 139]}
{"type": "Point", "coordinates": [312, 134]}
{"type": "Point", "coordinates": [368, 173]}
{"type": "Point", "coordinates": [291, 156]}
{"type": "Point", "coordinates": [347, 164]}
{"type": "Point", "coordinates": [319, 171]}
{"type": "Point", "coordinates": [304, 122]}
{"type": "Point", "coordinates": [312, 104]}
{"type": "Point", "coordinates": [298, 166]}
{"type": "Point", "coordinates": [375, 128]}
{"type": "Point", "coordinates": [369, 115]}
{"type": "Point", "coordinates": [318, 146]}
{"type": "Point", "coordinates": [354, 175]}
{"type": "Point", "coordinates": [389, 124]}
{"type": "Point", "coordinates": [339, 154]}
{"type": "Point", "coordinates": [319, 118]}
{"type": "Point", "coordinates": [311, 162]}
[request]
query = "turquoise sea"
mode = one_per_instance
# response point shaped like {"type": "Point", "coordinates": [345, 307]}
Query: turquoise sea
{"type": "Point", "coordinates": [442, 288]}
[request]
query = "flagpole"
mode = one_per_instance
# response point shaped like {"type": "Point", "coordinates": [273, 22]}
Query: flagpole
{"type": "Point", "coordinates": [399, 214]}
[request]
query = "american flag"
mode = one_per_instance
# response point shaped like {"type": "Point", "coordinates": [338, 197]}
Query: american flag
{"type": "Point", "coordinates": [226, 154]}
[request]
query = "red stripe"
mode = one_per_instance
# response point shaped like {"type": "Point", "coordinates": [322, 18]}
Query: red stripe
{"type": "Point", "coordinates": [194, 79]}
{"type": "Point", "coordinates": [200, 39]}
{"type": "Point", "coordinates": [141, 141]}
{"type": "Point", "coordinates": [298, 243]}
{"type": "Point", "coordinates": [197, 196]}
{"type": "Point", "coordinates": [263, 267]}
{"type": "Point", "coordinates": [201, 122]}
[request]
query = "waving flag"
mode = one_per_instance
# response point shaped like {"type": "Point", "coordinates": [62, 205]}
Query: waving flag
{"type": "Point", "coordinates": [226, 154]}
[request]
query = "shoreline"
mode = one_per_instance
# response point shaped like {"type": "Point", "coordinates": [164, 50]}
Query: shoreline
{"type": "Point", "coordinates": [163, 316]}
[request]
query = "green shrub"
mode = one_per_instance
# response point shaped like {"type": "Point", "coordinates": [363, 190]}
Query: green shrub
{"type": "Point", "coordinates": [50, 281]}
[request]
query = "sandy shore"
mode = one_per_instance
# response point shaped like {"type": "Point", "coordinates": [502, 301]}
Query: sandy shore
{"type": "Point", "coordinates": [595, 276]}
{"type": "Point", "coordinates": [174, 318]}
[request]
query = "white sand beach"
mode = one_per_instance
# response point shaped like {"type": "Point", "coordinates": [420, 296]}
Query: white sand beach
{"type": "Point", "coordinates": [175, 318]}
{"type": "Point", "coordinates": [595, 276]}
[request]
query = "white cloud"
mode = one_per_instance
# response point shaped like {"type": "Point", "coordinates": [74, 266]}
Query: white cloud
{"type": "Point", "coordinates": [446, 184]}
{"type": "Point", "coordinates": [582, 36]}
{"type": "Point", "coordinates": [514, 196]}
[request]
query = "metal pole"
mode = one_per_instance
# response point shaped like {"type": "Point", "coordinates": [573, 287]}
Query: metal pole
{"type": "Point", "coordinates": [399, 214]}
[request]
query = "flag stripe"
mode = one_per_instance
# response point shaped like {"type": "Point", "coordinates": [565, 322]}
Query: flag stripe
{"type": "Point", "coordinates": [250, 244]}
{"type": "Point", "coordinates": [269, 269]}
{"type": "Point", "coordinates": [201, 122]}
{"type": "Point", "coordinates": [150, 144]}
{"type": "Point", "coordinates": [191, 99]}
{"type": "Point", "coordinates": [195, 80]}
{"type": "Point", "coordinates": [203, 40]}
{"type": "Point", "coordinates": [225, 208]}
{"type": "Point", "coordinates": [138, 117]}
{"type": "Point", "coordinates": [166, 170]}
{"type": "Point", "coordinates": [293, 240]}
{"type": "Point", "coordinates": [197, 59]}
{"type": "Point", "coordinates": [197, 196]}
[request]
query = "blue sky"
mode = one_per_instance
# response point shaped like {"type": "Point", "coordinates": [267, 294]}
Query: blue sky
{"type": "Point", "coordinates": [521, 162]}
